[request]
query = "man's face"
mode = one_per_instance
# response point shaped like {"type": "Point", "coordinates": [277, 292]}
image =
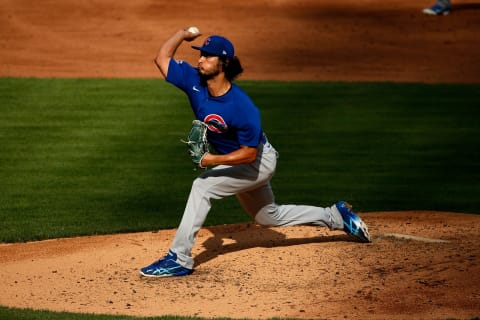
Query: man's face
{"type": "Point", "coordinates": [209, 66]}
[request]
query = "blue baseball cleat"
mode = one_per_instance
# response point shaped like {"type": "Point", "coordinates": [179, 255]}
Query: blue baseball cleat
{"type": "Point", "coordinates": [166, 267]}
{"type": "Point", "coordinates": [437, 10]}
{"type": "Point", "coordinates": [352, 224]}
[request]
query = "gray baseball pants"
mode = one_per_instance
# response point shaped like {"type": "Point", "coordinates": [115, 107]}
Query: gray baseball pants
{"type": "Point", "coordinates": [444, 3]}
{"type": "Point", "coordinates": [251, 184]}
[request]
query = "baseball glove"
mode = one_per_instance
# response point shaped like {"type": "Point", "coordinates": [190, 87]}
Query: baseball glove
{"type": "Point", "coordinates": [197, 143]}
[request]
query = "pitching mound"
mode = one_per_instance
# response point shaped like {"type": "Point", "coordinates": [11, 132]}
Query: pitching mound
{"type": "Point", "coordinates": [421, 265]}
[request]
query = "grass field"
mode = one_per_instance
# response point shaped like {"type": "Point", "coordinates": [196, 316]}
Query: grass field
{"type": "Point", "coordinates": [87, 156]}
{"type": "Point", "coordinates": [84, 157]}
{"type": "Point", "coordinates": [25, 314]}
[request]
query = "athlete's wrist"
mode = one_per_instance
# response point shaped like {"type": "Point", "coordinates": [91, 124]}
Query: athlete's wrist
{"type": "Point", "coordinates": [203, 161]}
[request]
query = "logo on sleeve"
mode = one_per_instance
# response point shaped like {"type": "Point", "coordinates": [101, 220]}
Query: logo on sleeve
{"type": "Point", "coordinates": [216, 123]}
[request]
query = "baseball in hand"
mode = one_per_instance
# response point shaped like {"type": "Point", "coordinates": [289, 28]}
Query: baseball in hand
{"type": "Point", "coordinates": [193, 30]}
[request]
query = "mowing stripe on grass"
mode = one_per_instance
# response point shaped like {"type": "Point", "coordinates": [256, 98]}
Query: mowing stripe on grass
{"type": "Point", "coordinates": [96, 156]}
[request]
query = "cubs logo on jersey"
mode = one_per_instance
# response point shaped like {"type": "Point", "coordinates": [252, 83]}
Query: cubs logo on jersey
{"type": "Point", "coordinates": [216, 123]}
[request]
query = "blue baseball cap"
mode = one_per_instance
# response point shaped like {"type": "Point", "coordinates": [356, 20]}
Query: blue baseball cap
{"type": "Point", "coordinates": [217, 46]}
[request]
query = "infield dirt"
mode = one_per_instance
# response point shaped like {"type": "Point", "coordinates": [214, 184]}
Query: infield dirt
{"type": "Point", "coordinates": [245, 271]}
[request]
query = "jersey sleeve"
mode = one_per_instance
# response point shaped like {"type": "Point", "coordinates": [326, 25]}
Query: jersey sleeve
{"type": "Point", "coordinates": [181, 74]}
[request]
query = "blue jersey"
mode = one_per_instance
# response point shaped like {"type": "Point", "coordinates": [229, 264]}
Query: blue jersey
{"type": "Point", "coordinates": [233, 119]}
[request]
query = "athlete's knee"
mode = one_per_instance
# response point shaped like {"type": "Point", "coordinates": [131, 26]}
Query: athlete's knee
{"type": "Point", "coordinates": [268, 216]}
{"type": "Point", "coordinates": [198, 183]}
{"type": "Point", "coordinates": [200, 188]}
{"type": "Point", "coordinates": [204, 188]}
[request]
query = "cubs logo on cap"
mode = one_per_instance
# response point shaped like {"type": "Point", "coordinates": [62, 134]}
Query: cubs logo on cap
{"type": "Point", "coordinates": [217, 46]}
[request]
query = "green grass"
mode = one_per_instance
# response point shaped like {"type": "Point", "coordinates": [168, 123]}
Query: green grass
{"type": "Point", "coordinates": [28, 314]}
{"type": "Point", "coordinates": [100, 156]}
{"type": "Point", "coordinates": [87, 156]}
{"type": "Point", "coordinates": [382, 146]}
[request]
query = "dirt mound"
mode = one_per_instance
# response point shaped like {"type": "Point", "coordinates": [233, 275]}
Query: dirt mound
{"type": "Point", "coordinates": [277, 39]}
{"type": "Point", "coordinates": [249, 271]}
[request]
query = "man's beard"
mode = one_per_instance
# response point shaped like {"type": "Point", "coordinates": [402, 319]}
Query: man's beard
{"type": "Point", "coordinates": [205, 77]}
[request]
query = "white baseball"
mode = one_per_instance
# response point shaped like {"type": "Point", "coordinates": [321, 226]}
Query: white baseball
{"type": "Point", "coordinates": [193, 30]}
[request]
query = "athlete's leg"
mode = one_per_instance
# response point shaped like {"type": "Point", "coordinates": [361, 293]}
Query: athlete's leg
{"type": "Point", "coordinates": [260, 204]}
{"type": "Point", "coordinates": [444, 3]}
{"type": "Point", "coordinates": [217, 183]}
